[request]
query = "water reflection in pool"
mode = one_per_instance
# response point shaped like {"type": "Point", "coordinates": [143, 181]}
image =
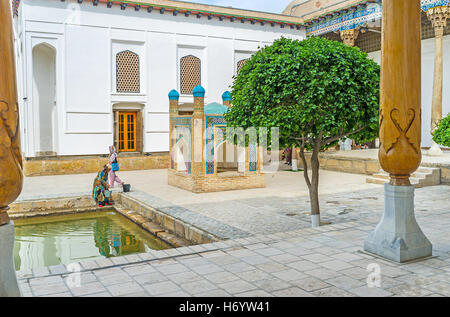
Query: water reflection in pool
{"type": "Point", "coordinates": [53, 240]}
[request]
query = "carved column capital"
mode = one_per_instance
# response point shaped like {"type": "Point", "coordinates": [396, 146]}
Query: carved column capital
{"type": "Point", "coordinates": [349, 36]}
{"type": "Point", "coordinates": [438, 17]}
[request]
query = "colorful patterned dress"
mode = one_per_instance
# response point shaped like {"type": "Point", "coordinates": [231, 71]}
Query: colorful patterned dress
{"type": "Point", "coordinates": [100, 188]}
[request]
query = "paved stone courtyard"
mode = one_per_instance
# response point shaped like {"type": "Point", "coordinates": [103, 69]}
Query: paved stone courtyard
{"type": "Point", "coordinates": [282, 206]}
{"type": "Point", "coordinates": [277, 254]}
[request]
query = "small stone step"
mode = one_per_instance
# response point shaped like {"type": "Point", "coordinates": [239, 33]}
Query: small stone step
{"type": "Point", "coordinates": [420, 175]}
{"type": "Point", "coordinates": [428, 170]}
{"type": "Point", "coordinates": [377, 180]}
{"type": "Point", "coordinates": [383, 175]}
{"type": "Point", "coordinates": [425, 176]}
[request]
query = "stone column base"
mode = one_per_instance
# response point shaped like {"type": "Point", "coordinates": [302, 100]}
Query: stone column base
{"type": "Point", "coordinates": [8, 279]}
{"type": "Point", "coordinates": [398, 237]}
{"type": "Point", "coordinates": [435, 150]}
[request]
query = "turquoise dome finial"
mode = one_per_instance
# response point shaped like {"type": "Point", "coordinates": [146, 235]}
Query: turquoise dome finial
{"type": "Point", "coordinates": [226, 96]}
{"type": "Point", "coordinates": [199, 91]}
{"type": "Point", "coordinates": [174, 95]}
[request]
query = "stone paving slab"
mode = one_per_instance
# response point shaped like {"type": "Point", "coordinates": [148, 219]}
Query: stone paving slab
{"type": "Point", "coordinates": [211, 225]}
{"type": "Point", "coordinates": [227, 215]}
{"type": "Point", "coordinates": [239, 267]}
{"type": "Point", "coordinates": [264, 258]}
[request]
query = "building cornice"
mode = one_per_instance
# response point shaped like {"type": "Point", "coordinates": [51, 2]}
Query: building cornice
{"type": "Point", "coordinates": [181, 8]}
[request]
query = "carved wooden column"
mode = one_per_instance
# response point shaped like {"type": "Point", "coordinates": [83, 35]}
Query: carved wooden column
{"type": "Point", "coordinates": [11, 177]}
{"type": "Point", "coordinates": [398, 237]}
{"type": "Point", "coordinates": [400, 109]}
{"type": "Point", "coordinates": [438, 17]}
{"type": "Point", "coordinates": [349, 36]}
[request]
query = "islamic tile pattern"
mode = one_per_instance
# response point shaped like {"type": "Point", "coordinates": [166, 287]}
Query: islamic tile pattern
{"type": "Point", "coordinates": [252, 157]}
{"type": "Point", "coordinates": [428, 4]}
{"type": "Point", "coordinates": [355, 17]}
{"type": "Point", "coordinates": [211, 123]}
{"type": "Point", "coordinates": [15, 7]}
{"type": "Point", "coordinates": [347, 21]}
{"type": "Point", "coordinates": [371, 41]}
{"type": "Point", "coordinates": [184, 123]}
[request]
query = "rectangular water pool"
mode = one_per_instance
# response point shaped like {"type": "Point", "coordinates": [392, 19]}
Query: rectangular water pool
{"type": "Point", "coordinates": [53, 240]}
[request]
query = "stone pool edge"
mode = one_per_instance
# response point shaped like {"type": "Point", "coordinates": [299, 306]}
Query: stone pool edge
{"type": "Point", "coordinates": [171, 230]}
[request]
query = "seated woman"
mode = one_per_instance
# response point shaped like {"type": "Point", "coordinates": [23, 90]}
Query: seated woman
{"type": "Point", "coordinates": [100, 191]}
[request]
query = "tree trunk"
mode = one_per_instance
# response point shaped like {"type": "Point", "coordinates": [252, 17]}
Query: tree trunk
{"type": "Point", "coordinates": [313, 183]}
{"type": "Point", "coordinates": [314, 189]}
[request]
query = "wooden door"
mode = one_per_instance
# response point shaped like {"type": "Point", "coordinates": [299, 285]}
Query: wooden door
{"type": "Point", "coordinates": [127, 132]}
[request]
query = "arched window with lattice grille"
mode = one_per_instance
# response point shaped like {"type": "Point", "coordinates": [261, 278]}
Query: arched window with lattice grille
{"type": "Point", "coordinates": [240, 64]}
{"type": "Point", "coordinates": [190, 74]}
{"type": "Point", "coordinates": [128, 73]}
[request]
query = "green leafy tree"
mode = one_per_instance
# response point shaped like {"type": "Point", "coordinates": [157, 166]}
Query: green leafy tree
{"type": "Point", "coordinates": [442, 134]}
{"type": "Point", "coordinates": [316, 91]}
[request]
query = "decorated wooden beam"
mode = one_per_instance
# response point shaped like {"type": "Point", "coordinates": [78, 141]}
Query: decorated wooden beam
{"type": "Point", "coordinates": [356, 16]}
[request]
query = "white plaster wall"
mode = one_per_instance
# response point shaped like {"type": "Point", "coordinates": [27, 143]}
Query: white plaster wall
{"type": "Point", "coordinates": [44, 94]}
{"type": "Point", "coordinates": [87, 68]}
{"type": "Point", "coordinates": [428, 48]}
{"type": "Point", "coordinates": [219, 47]}
{"type": "Point", "coordinates": [18, 48]}
{"type": "Point", "coordinates": [87, 38]}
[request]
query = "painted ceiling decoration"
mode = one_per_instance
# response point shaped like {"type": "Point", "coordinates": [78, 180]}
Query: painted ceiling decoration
{"type": "Point", "coordinates": [365, 14]}
{"type": "Point", "coordinates": [180, 11]}
{"type": "Point", "coordinates": [15, 7]}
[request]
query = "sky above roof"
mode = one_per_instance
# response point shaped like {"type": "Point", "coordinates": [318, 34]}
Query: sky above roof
{"type": "Point", "coordinates": [273, 6]}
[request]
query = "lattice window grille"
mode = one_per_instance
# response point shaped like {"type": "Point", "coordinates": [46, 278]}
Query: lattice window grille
{"type": "Point", "coordinates": [241, 64]}
{"type": "Point", "coordinates": [128, 72]}
{"type": "Point", "coordinates": [332, 36]}
{"type": "Point", "coordinates": [369, 42]}
{"type": "Point", "coordinates": [190, 74]}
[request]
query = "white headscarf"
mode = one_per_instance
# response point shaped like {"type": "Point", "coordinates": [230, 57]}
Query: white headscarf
{"type": "Point", "coordinates": [113, 153]}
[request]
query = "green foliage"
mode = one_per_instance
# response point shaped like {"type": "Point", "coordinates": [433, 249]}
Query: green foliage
{"type": "Point", "coordinates": [442, 133]}
{"type": "Point", "coordinates": [308, 87]}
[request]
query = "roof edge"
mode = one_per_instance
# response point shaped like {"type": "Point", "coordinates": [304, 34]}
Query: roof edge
{"type": "Point", "coordinates": [183, 6]}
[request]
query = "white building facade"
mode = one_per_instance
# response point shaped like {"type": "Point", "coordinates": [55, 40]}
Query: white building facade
{"type": "Point", "coordinates": [89, 72]}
